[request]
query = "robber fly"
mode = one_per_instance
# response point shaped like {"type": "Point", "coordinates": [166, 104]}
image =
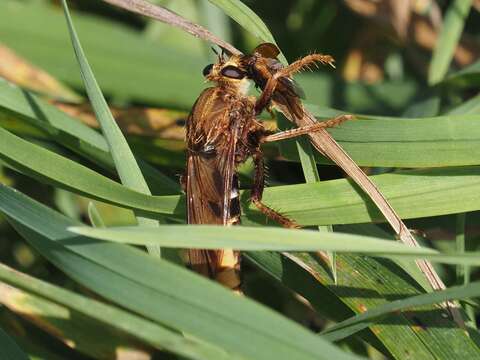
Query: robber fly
{"type": "Point", "coordinates": [222, 133]}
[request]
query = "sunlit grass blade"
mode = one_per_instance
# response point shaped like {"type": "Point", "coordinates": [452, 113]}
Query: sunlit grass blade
{"type": "Point", "coordinates": [82, 321]}
{"type": "Point", "coordinates": [18, 106]}
{"type": "Point", "coordinates": [94, 216]}
{"type": "Point", "coordinates": [361, 321]}
{"type": "Point", "coordinates": [47, 166]}
{"type": "Point", "coordinates": [125, 163]}
{"type": "Point", "coordinates": [449, 140]}
{"type": "Point", "coordinates": [365, 283]}
{"type": "Point", "coordinates": [246, 18]}
{"type": "Point", "coordinates": [182, 300]}
{"type": "Point", "coordinates": [310, 172]}
{"type": "Point", "coordinates": [448, 39]}
{"type": "Point", "coordinates": [414, 193]}
{"type": "Point", "coordinates": [256, 239]}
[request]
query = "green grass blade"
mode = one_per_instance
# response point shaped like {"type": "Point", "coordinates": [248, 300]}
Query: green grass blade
{"type": "Point", "coordinates": [361, 321]}
{"type": "Point", "coordinates": [414, 193]}
{"type": "Point", "coordinates": [246, 18]}
{"type": "Point", "coordinates": [182, 300]}
{"type": "Point", "coordinates": [460, 244]}
{"type": "Point", "coordinates": [19, 106]}
{"type": "Point", "coordinates": [467, 77]}
{"type": "Point", "coordinates": [448, 40]}
{"type": "Point", "coordinates": [255, 239]}
{"type": "Point", "coordinates": [125, 163]}
{"type": "Point", "coordinates": [152, 64]}
{"type": "Point", "coordinates": [36, 161]}
{"type": "Point", "coordinates": [471, 106]}
{"type": "Point", "coordinates": [366, 283]}
{"type": "Point", "coordinates": [10, 350]}
{"type": "Point", "coordinates": [93, 319]}
{"type": "Point", "coordinates": [310, 172]}
{"type": "Point", "coordinates": [450, 140]}
{"type": "Point", "coordinates": [94, 216]}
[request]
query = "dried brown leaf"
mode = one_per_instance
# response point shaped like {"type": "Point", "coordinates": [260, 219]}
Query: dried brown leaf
{"type": "Point", "coordinates": [19, 71]}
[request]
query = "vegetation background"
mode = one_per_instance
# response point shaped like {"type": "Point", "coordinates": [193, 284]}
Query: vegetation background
{"type": "Point", "coordinates": [408, 69]}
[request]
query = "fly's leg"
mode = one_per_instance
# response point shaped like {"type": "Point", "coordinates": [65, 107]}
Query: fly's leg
{"type": "Point", "coordinates": [257, 193]}
{"type": "Point", "coordinates": [287, 134]}
{"type": "Point", "coordinates": [301, 64]}
{"type": "Point", "coordinates": [259, 179]}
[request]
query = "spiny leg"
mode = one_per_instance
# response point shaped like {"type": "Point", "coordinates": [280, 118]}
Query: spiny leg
{"type": "Point", "coordinates": [288, 71]}
{"type": "Point", "coordinates": [288, 134]}
{"type": "Point", "coordinates": [257, 193]}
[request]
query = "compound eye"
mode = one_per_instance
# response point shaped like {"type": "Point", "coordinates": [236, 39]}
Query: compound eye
{"type": "Point", "coordinates": [233, 72]}
{"type": "Point", "coordinates": [207, 70]}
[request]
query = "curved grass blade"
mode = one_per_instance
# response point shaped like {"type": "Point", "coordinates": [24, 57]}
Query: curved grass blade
{"type": "Point", "coordinates": [256, 239]}
{"type": "Point", "coordinates": [467, 77]}
{"type": "Point", "coordinates": [310, 172]}
{"type": "Point", "coordinates": [164, 15]}
{"type": "Point", "coordinates": [182, 300]}
{"type": "Point", "coordinates": [20, 106]}
{"type": "Point", "coordinates": [36, 161]}
{"type": "Point", "coordinates": [365, 283]}
{"type": "Point", "coordinates": [94, 216]}
{"type": "Point", "coordinates": [448, 40]}
{"type": "Point", "coordinates": [125, 163]}
{"type": "Point", "coordinates": [91, 320]}
{"type": "Point", "coordinates": [359, 322]}
{"type": "Point", "coordinates": [247, 19]}
{"type": "Point", "coordinates": [414, 193]}
{"type": "Point", "coordinates": [449, 140]}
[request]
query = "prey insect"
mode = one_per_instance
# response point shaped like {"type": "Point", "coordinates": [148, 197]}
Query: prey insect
{"type": "Point", "coordinates": [222, 132]}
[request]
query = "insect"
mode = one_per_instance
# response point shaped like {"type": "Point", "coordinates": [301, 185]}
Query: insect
{"type": "Point", "coordinates": [222, 132]}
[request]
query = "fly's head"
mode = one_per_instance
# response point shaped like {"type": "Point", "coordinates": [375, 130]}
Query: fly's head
{"type": "Point", "coordinates": [228, 72]}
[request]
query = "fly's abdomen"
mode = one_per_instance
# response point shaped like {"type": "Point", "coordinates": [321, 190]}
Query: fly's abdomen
{"type": "Point", "coordinates": [235, 210]}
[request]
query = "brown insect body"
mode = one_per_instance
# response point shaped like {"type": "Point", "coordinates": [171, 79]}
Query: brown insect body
{"type": "Point", "coordinates": [222, 132]}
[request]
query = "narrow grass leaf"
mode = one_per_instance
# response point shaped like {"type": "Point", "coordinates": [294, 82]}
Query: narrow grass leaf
{"type": "Point", "coordinates": [310, 172]}
{"type": "Point", "coordinates": [350, 326]}
{"type": "Point", "coordinates": [18, 106]}
{"type": "Point", "coordinates": [366, 283]}
{"type": "Point", "coordinates": [448, 39]}
{"type": "Point", "coordinates": [94, 216]}
{"type": "Point", "coordinates": [182, 300]}
{"type": "Point", "coordinates": [89, 323]}
{"type": "Point", "coordinates": [125, 163]}
{"type": "Point", "coordinates": [414, 193]}
{"type": "Point", "coordinates": [466, 77]}
{"type": "Point", "coordinates": [255, 239]}
{"type": "Point", "coordinates": [49, 167]}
